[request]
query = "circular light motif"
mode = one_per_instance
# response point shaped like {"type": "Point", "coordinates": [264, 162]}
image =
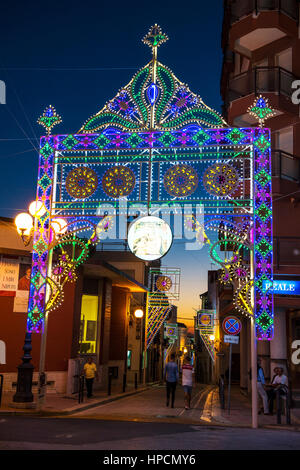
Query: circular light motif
{"type": "Point", "coordinates": [149, 238]}
{"type": "Point", "coordinates": [180, 180]}
{"type": "Point", "coordinates": [221, 179]}
{"type": "Point", "coordinates": [163, 283]}
{"type": "Point", "coordinates": [81, 182]}
{"type": "Point", "coordinates": [118, 181]}
{"type": "Point", "coordinates": [205, 320]}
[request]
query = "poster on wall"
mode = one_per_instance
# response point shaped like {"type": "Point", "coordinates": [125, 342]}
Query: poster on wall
{"type": "Point", "coordinates": [9, 276]}
{"type": "Point", "coordinates": [22, 292]}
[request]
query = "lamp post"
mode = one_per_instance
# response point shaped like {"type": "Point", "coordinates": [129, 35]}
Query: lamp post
{"type": "Point", "coordinates": [139, 313]}
{"type": "Point", "coordinates": [24, 225]}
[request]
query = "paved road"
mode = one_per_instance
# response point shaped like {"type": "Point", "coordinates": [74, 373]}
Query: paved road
{"type": "Point", "coordinates": [90, 434]}
{"type": "Point", "coordinates": [151, 404]}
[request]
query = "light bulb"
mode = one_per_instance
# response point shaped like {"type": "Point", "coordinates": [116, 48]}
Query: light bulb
{"type": "Point", "coordinates": [24, 223]}
{"type": "Point", "coordinates": [37, 209]}
{"type": "Point", "coordinates": [59, 226]}
{"type": "Point", "coordinates": [138, 313]}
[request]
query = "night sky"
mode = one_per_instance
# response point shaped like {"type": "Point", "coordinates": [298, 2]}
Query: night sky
{"type": "Point", "coordinates": [76, 56]}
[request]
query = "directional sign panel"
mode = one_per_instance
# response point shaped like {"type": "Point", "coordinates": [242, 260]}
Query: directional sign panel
{"type": "Point", "coordinates": [231, 339]}
{"type": "Point", "coordinates": [231, 325]}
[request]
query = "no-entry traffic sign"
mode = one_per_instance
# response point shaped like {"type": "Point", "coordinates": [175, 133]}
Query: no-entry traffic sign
{"type": "Point", "coordinates": [231, 325]}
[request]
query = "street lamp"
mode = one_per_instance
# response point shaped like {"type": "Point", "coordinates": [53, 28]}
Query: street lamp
{"type": "Point", "coordinates": [37, 209]}
{"type": "Point", "coordinates": [138, 313]}
{"type": "Point", "coordinates": [24, 224]}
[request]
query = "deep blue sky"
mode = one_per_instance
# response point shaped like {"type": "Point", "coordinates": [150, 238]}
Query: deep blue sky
{"type": "Point", "coordinates": [39, 38]}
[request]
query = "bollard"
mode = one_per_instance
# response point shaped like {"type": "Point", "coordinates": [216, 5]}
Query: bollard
{"type": "Point", "coordinates": [109, 383]}
{"type": "Point", "coordinates": [1, 387]}
{"type": "Point", "coordinates": [288, 411]}
{"type": "Point", "coordinates": [135, 380]}
{"type": "Point", "coordinates": [124, 383]}
{"type": "Point", "coordinates": [81, 389]}
{"type": "Point", "coordinates": [278, 407]}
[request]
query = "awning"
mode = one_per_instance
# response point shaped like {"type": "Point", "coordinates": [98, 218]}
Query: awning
{"type": "Point", "coordinates": [118, 278]}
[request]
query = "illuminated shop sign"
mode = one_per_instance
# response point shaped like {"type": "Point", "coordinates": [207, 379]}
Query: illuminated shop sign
{"type": "Point", "coordinates": [283, 287]}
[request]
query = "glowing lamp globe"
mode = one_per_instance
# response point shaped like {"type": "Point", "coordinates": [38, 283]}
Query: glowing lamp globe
{"type": "Point", "coordinates": [185, 350]}
{"type": "Point", "coordinates": [212, 337]}
{"type": "Point", "coordinates": [138, 313]}
{"type": "Point", "coordinates": [59, 226]}
{"type": "Point", "coordinates": [37, 209]}
{"type": "Point", "coordinates": [24, 223]}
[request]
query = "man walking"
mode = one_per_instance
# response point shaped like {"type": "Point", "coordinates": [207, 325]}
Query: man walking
{"type": "Point", "coordinates": [171, 377]}
{"type": "Point", "coordinates": [90, 372]}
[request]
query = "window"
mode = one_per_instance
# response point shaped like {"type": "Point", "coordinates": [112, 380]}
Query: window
{"type": "Point", "coordinates": [88, 324]}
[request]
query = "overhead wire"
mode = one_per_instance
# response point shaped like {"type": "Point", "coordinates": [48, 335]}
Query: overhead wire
{"type": "Point", "coordinates": [24, 112]}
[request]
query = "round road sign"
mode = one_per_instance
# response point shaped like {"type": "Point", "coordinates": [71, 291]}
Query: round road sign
{"type": "Point", "coordinates": [231, 325]}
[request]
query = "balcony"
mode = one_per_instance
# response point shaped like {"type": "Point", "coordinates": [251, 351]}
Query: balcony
{"type": "Point", "coordinates": [261, 80]}
{"type": "Point", "coordinates": [240, 9]}
{"type": "Point", "coordinates": [251, 24]}
{"type": "Point", "coordinates": [285, 166]}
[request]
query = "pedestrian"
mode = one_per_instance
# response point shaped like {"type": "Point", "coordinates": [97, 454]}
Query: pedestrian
{"type": "Point", "coordinates": [171, 378]}
{"type": "Point", "coordinates": [90, 372]}
{"type": "Point", "coordinates": [261, 387]}
{"type": "Point", "coordinates": [280, 382]}
{"type": "Point", "coordinates": [187, 381]}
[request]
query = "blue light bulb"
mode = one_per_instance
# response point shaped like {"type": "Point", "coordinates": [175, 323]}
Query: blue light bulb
{"type": "Point", "coordinates": [152, 93]}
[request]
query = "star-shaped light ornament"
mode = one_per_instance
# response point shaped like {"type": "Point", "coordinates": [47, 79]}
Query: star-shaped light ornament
{"type": "Point", "coordinates": [155, 37]}
{"type": "Point", "coordinates": [261, 110]}
{"type": "Point", "coordinates": [49, 119]}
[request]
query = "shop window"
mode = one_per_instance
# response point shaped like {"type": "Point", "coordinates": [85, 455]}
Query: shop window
{"type": "Point", "coordinates": [88, 324]}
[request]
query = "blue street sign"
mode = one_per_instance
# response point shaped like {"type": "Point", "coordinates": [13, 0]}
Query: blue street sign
{"type": "Point", "coordinates": [231, 325]}
{"type": "Point", "coordinates": [283, 287]}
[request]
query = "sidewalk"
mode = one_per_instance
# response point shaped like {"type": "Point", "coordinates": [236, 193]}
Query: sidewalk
{"type": "Point", "coordinates": [240, 411]}
{"type": "Point", "coordinates": [62, 404]}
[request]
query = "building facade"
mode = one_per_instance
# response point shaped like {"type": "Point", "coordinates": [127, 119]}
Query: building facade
{"type": "Point", "coordinates": [95, 318]}
{"type": "Point", "coordinates": [261, 49]}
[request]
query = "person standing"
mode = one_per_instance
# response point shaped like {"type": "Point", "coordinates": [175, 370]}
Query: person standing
{"type": "Point", "coordinates": [90, 372]}
{"type": "Point", "coordinates": [280, 382]}
{"type": "Point", "coordinates": [187, 381]}
{"type": "Point", "coordinates": [261, 386]}
{"type": "Point", "coordinates": [171, 378]}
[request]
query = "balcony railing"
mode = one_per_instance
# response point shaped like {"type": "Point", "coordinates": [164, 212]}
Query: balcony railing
{"type": "Point", "coordinates": [261, 80]}
{"type": "Point", "coordinates": [239, 9]}
{"type": "Point", "coordinates": [285, 166]}
{"type": "Point", "coordinates": [286, 251]}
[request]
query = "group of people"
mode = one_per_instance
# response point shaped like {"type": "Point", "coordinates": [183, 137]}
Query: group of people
{"type": "Point", "coordinates": [268, 392]}
{"type": "Point", "coordinates": [172, 376]}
